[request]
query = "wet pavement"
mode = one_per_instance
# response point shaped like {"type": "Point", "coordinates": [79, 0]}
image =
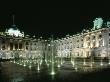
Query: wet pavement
{"type": "Point", "coordinates": [12, 72]}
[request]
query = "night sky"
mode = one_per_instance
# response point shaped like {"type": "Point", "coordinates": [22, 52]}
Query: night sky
{"type": "Point", "coordinates": [57, 20]}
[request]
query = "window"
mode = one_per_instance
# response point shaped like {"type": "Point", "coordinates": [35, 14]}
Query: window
{"type": "Point", "coordinates": [71, 47]}
{"type": "Point", "coordinates": [93, 44]}
{"type": "Point", "coordinates": [99, 55]}
{"type": "Point", "coordinates": [26, 47]}
{"type": "Point", "coordinates": [81, 39]}
{"type": "Point", "coordinates": [109, 34]}
{"type": "Point", "coordinates": [81, 45]}
{"type": "Point", "coordinates": [87, 53]}
{"type": "Point", "coordinates": [20, 46]}
{"type": "Point", "coordinates": [88, 38]}
{"type": "Point", "coordinates": [77, 54]}
{"type": "Point", "coordinates": [11, 46]}
{"type": "Point", "coordinates": [3, 42]}
{"type": "Point", "coordinates": [3, 47]}
{"type": "Point", "coordinates": [88, 43]}
{"type": "Point", "coordinates": [100, 36]}
{"type": "Point", "coordinates": [100, 43]}
{"type": "Point", "coordinates": [77, 46]}
{"type": "Point", "coordinates": [109, 41]}
{"type": "Point", "coordinates": [93, 37]}
{"type": "Point", "coordinates": [27, 43]}
{"type": "Point", "coordinates": [16, 46]}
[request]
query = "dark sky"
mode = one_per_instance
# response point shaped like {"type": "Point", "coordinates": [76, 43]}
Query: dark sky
{"type": "Point", "coordinates": [58, 20]}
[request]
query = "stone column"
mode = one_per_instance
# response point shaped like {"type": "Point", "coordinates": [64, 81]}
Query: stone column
{"type": "Point", "coordinates": [9, 45]}
{"type": "Point", "coordinates": [0, 44]}
{"type": "Point", "coordinates": [97, 40]}
{"type": "Point", "coordinates": [18, 45]}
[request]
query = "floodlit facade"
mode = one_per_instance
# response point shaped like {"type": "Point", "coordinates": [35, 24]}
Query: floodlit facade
{"type": "Point", "coordinates": [14, 44]}
{"type": "Point", "coordinates": [89, 43]}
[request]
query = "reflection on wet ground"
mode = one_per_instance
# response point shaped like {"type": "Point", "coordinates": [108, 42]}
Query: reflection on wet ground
{"type": "Point", "coordinates": [13, 72]}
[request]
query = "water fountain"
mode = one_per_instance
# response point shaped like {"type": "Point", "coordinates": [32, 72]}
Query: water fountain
{"type": "Point", "coordinates": [24, 63]}
{"type": "Point", "coordinates": [72, 60]}
{"type": "Point", "coordinates": [30, 63]}
{"type": "Point", "coordinates": [38, 66]}
{"type": "Point", "coordinates": [101, 62]}
{"type": "Point", "coordinates": [38, 63]}
{"type": "Point", "coordinates": [52, 58]}
{"type": "Point", "coordinates": [91, 62]}
{"type": "Point", "coordinates": [109, 62]}
{"type": "Point", "coordinates": [58, 62]}
{"type": "Point", "coordinates": [108, 59]}
{"type": "Point", "coordinates": [84, 62]}
{"type": "Point", "coordinates": [73, 63]}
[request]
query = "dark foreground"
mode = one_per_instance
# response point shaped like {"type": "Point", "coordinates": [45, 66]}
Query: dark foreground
{"type": "Point", "coordinates": [10, 72]}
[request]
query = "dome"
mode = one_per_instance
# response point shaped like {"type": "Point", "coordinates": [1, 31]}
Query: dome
{"type": "Point", "coordinates": [14, 31]}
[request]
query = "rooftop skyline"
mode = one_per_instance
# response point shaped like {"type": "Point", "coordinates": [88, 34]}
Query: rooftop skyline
{"type": "Point", "coordinates": [47, 21]}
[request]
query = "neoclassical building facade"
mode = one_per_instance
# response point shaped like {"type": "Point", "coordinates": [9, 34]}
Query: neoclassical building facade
{"type": "Point", "coordinates": [14, 44]}
{"type": "Point", "coordinates": [89, 43]}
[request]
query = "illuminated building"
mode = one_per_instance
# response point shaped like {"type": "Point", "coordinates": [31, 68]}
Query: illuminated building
{"type": "Point", "coordinates": [89, 43]}
{"type": "Point", "coordinates": [14, 44]}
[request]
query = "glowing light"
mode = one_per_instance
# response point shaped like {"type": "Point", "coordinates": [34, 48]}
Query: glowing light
{"type": "Point", "coordinates": [58, 65]}
{"type": "Point", "coordinates": [16, 33]}
{"type": "Point", "coordinates": [101, 64]}
{"type": "Point", "coordinates": [14, 61]}
{"type": "Point", "coordinates": [84, 63]}
{"type": "Point", "coordinates": [47, 64]}
{"type": "Point", "coordinates": [38, 67]}
{"type": "Point", "coordinates": [91, 65]}
{"type": "Point", "coordinates": [52, 73]}
{"type": "Point", "coordinates": [20, 63]}
{"type": "Point", "coordinates": [40, 62]}
{"type": "Point", "coordinates": [24, 65]}
{"type": "Point", "coordinates": [73, 63]}
{"type": "Point", "coordinates": [76, 68]}
{"type": "Point", "coordinates": [30, 66]}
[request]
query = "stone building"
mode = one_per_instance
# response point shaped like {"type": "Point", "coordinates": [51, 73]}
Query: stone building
{"type": "Point", "coordinates": [89, 43]}
{"type": "Point", "coordinates": [14, 44]}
